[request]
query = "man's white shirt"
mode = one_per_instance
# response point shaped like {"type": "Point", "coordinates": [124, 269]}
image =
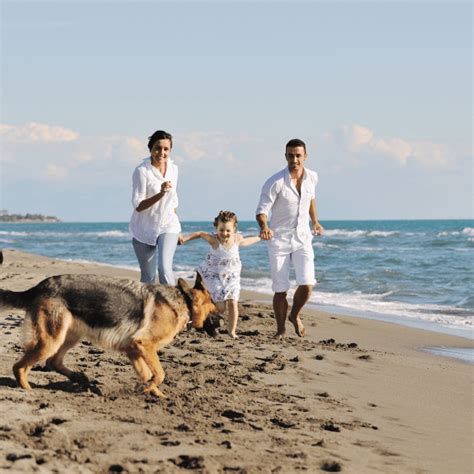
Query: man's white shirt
{"type": "Point", "coordinates": [289, 210]}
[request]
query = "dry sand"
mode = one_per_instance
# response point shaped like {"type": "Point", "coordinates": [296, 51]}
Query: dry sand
{"type": "Point", "coordinates": [354, 396]}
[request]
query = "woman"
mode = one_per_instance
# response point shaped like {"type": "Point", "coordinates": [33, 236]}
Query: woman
{"type": "Point", "coordinates": [154, 224]}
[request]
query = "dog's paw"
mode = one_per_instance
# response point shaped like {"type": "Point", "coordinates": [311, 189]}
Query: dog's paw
{"type": "Point", "coordinates": [154, 390]}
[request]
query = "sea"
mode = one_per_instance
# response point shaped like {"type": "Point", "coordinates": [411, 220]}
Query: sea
{"type": "Point", "coordinates": [416, 272]}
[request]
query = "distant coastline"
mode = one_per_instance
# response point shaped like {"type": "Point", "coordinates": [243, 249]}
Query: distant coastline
{"type": "Point", "coordinates": [26, 218]}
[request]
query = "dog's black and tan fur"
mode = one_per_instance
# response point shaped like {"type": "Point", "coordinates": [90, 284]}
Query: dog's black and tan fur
{"type": "Point", "coordinates": [124, 315]}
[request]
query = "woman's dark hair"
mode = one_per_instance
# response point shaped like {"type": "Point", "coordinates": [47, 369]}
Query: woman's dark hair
{"type": "Point", "coordinates": [294, 142]}
{"type": "Point", "coordinates": [159, 135]}
{"type": "Point", "coordinates": [225, 216]}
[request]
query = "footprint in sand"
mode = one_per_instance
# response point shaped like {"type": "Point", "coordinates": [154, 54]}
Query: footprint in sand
{"type": "Point", "coordinates": [188, 462]}
{"type": "Point", "coordinates": [330, 426]}
{"type": "Point", "coordinates": [331, 466]}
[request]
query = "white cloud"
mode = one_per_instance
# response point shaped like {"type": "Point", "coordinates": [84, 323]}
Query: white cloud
{"type": "Point", "coordinates": [359, 140]}
{"type": "Point", "coordinates": [55, 172]}
{"type": "Point", "coordinates": [59, 153]}
{"type": "Point", "coordinates": [33, 132]}
{"type": "Point", "coordinates": [210, 146]}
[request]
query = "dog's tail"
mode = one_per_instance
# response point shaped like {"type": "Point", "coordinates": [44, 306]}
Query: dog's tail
{"type": "Point", "coordinates": [16, 299]}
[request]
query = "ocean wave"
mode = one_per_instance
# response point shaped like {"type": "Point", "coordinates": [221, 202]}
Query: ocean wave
{"type": "Point", "coordinates": [376, 304]}
{"type": "Point", "coordinates": [448, 233]}
{"type": "Point", "coordinates": [111, 233]}
{"type": "Point", "coordinates": [345, 233]}
{"type": "Point", "coordinates": [5, 232]}
{"type": "Point", "coordinates": [322, 245]}
{"type": "Point", "coordinates": [62, 235]}
{"type": "Point", "coordinates": [353, 234]}
{"type": "Point", "coordinates": [467, 231]}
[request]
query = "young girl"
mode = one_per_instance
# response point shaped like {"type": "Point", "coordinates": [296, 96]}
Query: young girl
{"type": "Point", "coordinates": [220, 270]}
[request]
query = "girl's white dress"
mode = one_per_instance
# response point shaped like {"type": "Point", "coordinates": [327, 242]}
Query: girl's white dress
{"type": "Point", "coordinates": [220, 271]}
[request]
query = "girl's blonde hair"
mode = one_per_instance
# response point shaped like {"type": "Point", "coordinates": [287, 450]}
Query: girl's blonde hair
{"type": "Point", "coordinates": [225, 216]}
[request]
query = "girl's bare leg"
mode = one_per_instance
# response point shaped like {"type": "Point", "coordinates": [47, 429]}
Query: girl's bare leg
{"type": "Point", "coordinates": [232, 317]}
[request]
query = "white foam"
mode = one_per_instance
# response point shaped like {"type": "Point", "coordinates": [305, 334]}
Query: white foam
{"type": "Point", "coordinates": [62, 235]}
{"type": "Point", "coordinates": [111, 233]}
{"type": "Point", "coordinates": [445, 315]}
{"type": "Point", "coordinates": [448, 316]}
{"type": "Point", "coordinates": [447, 234]}
{"type": "Point", "coordinates": [5, 232]}
{"type": "Point", "coordinates": [379, 233]}
{"type": "Point", "coordinates": [344, 233]}
{"type": "Point", "coordinates": [354, 234]}
{"type": "Point", "coordinates": [322, 245]}
{"type": "Point", "coordinates": [464, 353]}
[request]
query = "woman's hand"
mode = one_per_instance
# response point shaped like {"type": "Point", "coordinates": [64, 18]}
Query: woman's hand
{"type": "Point", "coordinates": [181, 239]}
{"type": "Point", "coordinates": [166, 186]}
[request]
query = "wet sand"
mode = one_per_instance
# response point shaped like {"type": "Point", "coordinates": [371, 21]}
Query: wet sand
{"type": "Point", "coordinates": [354, 395]}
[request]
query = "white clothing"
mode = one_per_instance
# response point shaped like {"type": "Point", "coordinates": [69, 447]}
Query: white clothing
{"type": "Point", "coordinates": [289, 222]}
{"type": "Point", "coordinates": [287, 250]}
{"type": "Point", "coordinates": [220, 272]}
{"type": "Point", "coordinates": [147, 225]}
{"type": "Point", "coordinates": [289, 210]}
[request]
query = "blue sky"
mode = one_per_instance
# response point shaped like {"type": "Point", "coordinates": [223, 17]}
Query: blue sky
{"type": "Point", "coordinates": [380, 91]}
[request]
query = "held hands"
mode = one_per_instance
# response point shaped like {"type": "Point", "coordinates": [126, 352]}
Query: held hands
{"type": "Point", "coordinates": [318, 229]}
{"type": "Point", "coordinates": [266, 233]}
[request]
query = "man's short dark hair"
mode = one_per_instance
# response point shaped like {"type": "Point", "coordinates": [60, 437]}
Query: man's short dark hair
{"type": "Point", "coordinates": [295, 142]}
{"type": "Point", "coordinates": [159, 135]}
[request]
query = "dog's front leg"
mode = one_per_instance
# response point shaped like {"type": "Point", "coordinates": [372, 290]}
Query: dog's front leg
{"type": "Point", "coordinates": [147, 353]}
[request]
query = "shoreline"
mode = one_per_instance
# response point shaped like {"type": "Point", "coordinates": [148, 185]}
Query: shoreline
{"type": "Point", "coordinates": [429, 326]}
{"type": "Point", "coordinates": [356, 395]}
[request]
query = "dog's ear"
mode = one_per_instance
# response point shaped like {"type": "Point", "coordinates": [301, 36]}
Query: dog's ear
{"type": "Point", "coordinates": [198, 285]}
{"type": "Point", "coordinates": [183, 284]}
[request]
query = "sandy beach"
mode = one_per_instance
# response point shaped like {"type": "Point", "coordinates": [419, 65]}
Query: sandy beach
{"type": "Point", "coordinates": [354, 396]}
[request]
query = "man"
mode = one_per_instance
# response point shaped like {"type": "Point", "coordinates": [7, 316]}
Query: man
{"type": "Point", "coordinates": [290, 196]}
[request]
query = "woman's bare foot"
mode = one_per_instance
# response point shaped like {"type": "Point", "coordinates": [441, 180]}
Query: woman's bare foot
{"type": "Point", "coordinates": [233, 335]}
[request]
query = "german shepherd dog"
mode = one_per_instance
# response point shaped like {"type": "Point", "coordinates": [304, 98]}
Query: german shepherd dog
{"type": "Point", "coordinates": [131, 317]}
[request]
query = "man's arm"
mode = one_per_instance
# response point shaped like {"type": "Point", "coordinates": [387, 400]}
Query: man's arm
{"type": "Point", "coordinates": [267, 199]}
{"type": "Point", "coordinates": [318, 229]}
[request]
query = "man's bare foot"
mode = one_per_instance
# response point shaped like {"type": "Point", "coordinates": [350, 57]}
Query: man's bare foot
{"type": "Point", "coordinates": [279, 335]}
{"type": "Point", "coordinates": [233, 335]}
{"type": "Point", "coordinates": [299, 328]}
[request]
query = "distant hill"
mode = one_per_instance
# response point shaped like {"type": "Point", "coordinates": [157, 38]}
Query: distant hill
{"type": "Point", "coordinates": [5, 217]}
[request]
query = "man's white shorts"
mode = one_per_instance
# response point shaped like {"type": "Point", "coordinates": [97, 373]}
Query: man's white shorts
{"type": "Point", "coordinates": [285, 251]}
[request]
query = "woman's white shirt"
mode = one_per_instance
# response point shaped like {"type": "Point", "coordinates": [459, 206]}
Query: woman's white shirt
{"type": "Point", "coordinates": [147, 225]}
